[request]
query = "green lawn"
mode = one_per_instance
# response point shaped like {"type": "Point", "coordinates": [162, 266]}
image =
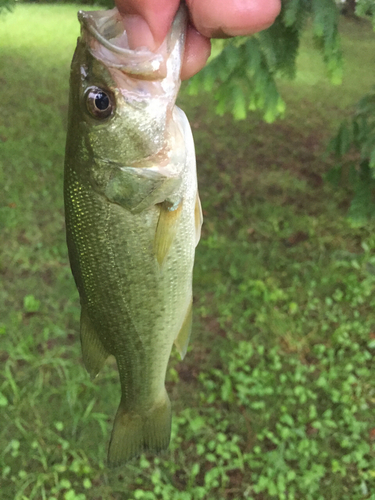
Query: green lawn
{"type": "Point", "coordinates": [275, 399]}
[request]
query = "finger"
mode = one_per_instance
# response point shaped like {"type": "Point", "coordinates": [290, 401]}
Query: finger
{"type": "Point", "coordinates": [147, 23]}
{"type": "Point", "coordinates": [223, 18]}
{"type": "Point", "coordinates": [150, 18]}
{"type": "Point", "coordinates": [197, 51]}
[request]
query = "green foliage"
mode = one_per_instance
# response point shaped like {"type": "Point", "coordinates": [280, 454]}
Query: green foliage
{"type": "Point", "coordinates": [366, 8]}
{"type": "Point", "coordinates": [358, 133]}
{"type": "Point", "coordinates": [295, 411]}
{"type": "Point", "coordinates": [245, 82]}
{"type": "Point", "coordinates": [325, 20]}
{"type": "Point", "coordinates": [243, 73]}
{"type": "Point", "coordinates": [31, 304]}
{"type": "Point", "coordinates": [6, 5]}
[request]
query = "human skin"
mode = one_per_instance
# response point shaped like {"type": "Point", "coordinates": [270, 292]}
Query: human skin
{"type": "Point", "coordinates": [148, 21]}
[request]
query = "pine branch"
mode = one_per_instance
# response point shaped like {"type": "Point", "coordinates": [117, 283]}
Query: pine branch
{"type": "Point", "coordinates": [243, 72]}
{"type": "Point", "coordinates": [359, 133]}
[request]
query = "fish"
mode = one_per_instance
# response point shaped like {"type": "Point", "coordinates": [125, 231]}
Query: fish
{"type": "Point", "coordinates": [133, 218]}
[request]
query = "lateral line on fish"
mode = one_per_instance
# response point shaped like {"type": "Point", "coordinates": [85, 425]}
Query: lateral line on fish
{"type": "Point", "coordinates": [117, 269]}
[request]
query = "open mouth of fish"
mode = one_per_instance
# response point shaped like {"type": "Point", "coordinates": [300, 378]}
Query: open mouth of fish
{"type": "Point", "coordinates": [109, 41]}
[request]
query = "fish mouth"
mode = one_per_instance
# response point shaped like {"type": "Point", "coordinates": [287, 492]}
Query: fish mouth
{"type": "Point", "coordinates": [107, 40]}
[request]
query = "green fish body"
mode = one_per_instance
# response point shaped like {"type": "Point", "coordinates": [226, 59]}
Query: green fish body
{"type": "Point", "coordinates": [133, 218]}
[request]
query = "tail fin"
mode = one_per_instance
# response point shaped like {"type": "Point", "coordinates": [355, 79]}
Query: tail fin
{"type": "Point", "coordinates": [134, 432]}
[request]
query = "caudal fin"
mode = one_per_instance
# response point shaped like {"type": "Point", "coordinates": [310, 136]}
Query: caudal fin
{"type": "Point", "coordinates": [135, 432]}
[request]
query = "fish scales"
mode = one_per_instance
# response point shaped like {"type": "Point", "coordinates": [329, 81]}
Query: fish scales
{"type": "Point", "coordinates": [133, 219]}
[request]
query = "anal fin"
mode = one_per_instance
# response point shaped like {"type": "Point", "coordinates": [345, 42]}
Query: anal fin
{"type": "Point", "coordinates": [166, 229]}
{"type": "Point", "coordinates": [93, 352]}
{"type": "Point", "coordinates": [182, 340]}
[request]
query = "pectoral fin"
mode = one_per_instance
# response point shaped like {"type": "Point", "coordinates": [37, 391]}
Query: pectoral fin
{"type": "Point", "coordinates": [198, 219]}
{"type": "Point", "coordinates": [93, 351]}
{"type": "Point", "coordinates": [182, 339]}
{"type": "Point", "coordinates": [166, 229]}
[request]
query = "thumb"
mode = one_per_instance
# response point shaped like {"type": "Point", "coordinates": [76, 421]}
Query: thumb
{"type": "Point", "coordinates": [147, 22]}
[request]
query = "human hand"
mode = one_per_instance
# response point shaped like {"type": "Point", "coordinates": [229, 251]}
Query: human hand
{"type": "Point", "coordinates": [147, 22]}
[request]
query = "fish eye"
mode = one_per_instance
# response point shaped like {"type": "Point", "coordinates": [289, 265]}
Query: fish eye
{"type": "Point", "coordinates": [99, 102]}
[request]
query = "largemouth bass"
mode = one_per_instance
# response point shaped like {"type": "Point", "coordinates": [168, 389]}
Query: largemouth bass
{"type": "Point", "coordinates": [133, 218]}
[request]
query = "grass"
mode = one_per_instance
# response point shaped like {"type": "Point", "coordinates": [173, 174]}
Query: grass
{"type": "Point", "coordinates": [275, 399]}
